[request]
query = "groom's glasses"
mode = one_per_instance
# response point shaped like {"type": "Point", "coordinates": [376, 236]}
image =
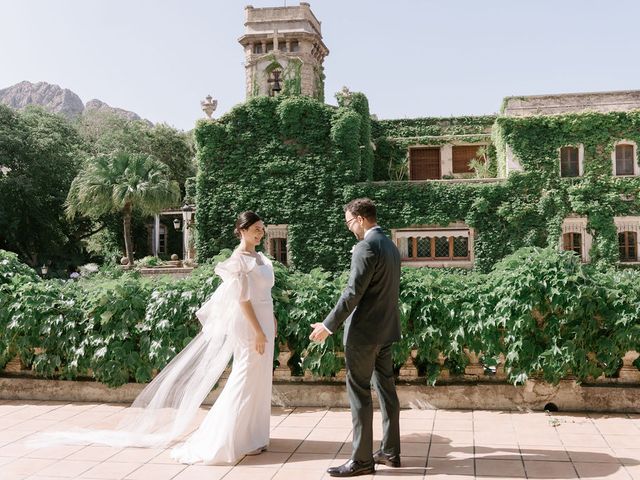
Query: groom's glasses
{"type": "Point", "coordinates": [349, 222]}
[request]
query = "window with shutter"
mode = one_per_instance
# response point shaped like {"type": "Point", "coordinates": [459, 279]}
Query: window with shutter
{"type": "Point", "coordinates": [424, 163]}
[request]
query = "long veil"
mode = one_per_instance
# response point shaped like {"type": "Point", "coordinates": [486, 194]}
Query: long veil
{"type": "Point", "coordinates": [166, 407]}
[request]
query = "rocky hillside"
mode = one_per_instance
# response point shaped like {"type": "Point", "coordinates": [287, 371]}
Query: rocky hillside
{"type": "Point", "coordinates": [55, 99]}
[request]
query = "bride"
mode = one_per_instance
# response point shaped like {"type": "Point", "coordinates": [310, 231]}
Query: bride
{"type": "Point", "coordinates": [237, 321]}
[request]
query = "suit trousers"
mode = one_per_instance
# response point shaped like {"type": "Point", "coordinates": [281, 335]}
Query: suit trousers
{"type": "Point", "coordinates": [367, 364]}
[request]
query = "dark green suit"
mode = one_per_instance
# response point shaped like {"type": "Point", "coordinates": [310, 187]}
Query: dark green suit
{"type": "Point", "coordinates": [369, 305]}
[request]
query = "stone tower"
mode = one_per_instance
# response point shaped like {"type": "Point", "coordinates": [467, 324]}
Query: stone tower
{"type": "Point", "coordinates": [284, 51]}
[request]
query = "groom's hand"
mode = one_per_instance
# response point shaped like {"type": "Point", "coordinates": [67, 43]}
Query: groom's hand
{"type": "Point", "coordinates": [319, 332]}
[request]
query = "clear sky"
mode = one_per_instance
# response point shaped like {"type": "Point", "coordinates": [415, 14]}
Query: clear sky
{"type": "Point", "coordinates": [412, 58]}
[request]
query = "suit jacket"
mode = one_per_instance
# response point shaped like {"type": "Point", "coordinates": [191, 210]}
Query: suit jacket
{"type": "Point", "coordinates": [369, 304]}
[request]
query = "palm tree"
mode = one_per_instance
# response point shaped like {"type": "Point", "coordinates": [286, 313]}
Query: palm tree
{"type": "Point", "coordinates": [122, 182]}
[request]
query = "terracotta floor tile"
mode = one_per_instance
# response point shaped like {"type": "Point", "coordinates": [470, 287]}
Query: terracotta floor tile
{"type": "Point", "coordinates": [56, 452]}
{"type": "Point", "coordinates": [266, 459]}
{"type": "Point", "coordinates": [452, 436]}
{"type": "Point", "coordinates": [156, 472]}
{"type": "Point", "coordinates": [300, 421]}
{"type": "Point", "coordinates": [11, 435]}
{"type": "Point", "coordinates": [202, 472]}
{"type": "Point", "coordinates": [570, 440]}
{"type": "Point", "coordinates": [497, 452]}
{"type": "Point", "coordinates": [95, 452]}
{"type": "Point", "coordinates": [500, 468]}
{"type": "Point", "coordinates": [330, 434]}
{"type": "Point", "coordinates": [7, 422]}
{"type": "Point", "coordinates": [415, 437]}
{"type": "Point", "coordinates": [466, 425]}
{"type": "Point", "coordinates": [419, 424]}
{"type": "Point", "coordinates": [414, 449]}
{"type": "Point", "coordinates": [111, 470]}
{"type": "Point", "coordinates": [496, 438]}
{"type": "Point", "coordinates": [16, 449]}
{"type": "Point", "coordinates": [26, 466]}
{"type": "Point", "coordinates": [408, 463]}
{"type": "Point", "coordinates": [136, 455]}
{"type": "Point", "coordinates": [250, 473]}
{"type": "Point", "coordinates": [283, 444]}
{"type": "Point", "coordinates": [592, 455]}
{"type": "Point", "coordinates": [319, 446]}
{"type": "Point", "coordinates": [544, 454]}
{"type": "Point", "coordinates": [443, 450]}
{"type": "Point", "coordinates": [602, 470]}
{"type": "Point", "coordinates": [163, 457]}
{"type": "Point", "coordinates": [313, 461]}
{"type": "Point", "coordinates": [549, 469]}
{"type": "Point", "coordinates": [67, 468]}
{"type": "Point", "coordinates": [447, 466]}
{"type": "Point", "coordinates": [291, 432]}
{"type": "Point", "coordinates": [633, 471]}
{"type": "Point", "coordinates": [493, 426]}
{"type": "Point", "coordinates": [550, 439]}
{"type": "Point", "coordinates": [622, 441]}
{"type": "Point", "coordinates": [445, 476]}
{"type": "Point", "coordinates": [299, 474]}
{"type": "Point", "coordinates": [628, 456]}
{"type": "Point", "coordinates": [624, 426]}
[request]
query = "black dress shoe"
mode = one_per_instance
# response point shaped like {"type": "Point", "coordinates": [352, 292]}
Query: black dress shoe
{"type": "Point", "coordinates": [390, 460]}
{"type": "Point", "coordinates": [352, 469]}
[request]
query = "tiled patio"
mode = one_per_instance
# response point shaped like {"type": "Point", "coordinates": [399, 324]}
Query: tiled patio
{"type": "Point", "coordinates": [437, 444]}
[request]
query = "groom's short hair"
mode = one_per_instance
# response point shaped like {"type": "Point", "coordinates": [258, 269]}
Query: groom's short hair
{"type": "Point", "coordinates": [362, 207]}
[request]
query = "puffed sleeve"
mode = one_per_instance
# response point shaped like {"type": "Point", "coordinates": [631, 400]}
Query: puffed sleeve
{"type": "Point", "coordinates": [235, 271]}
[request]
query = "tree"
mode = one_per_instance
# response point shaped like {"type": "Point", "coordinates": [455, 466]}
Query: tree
{"type": "Point", "coordinates": [122, 182]}
{"type": "Point", "coordinates": [108, 132]}
{"type": "Point", "coordinates": [40, 154]}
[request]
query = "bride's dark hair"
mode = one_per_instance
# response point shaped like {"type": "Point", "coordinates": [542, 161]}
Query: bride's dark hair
{"type": "Point", "coordinates": [244, 221]}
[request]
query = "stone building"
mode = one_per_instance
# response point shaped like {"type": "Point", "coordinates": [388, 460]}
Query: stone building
{"type": "Point", "coordinates": [461, 191]}
{"type": "Point", "coordinates": [284, 51]}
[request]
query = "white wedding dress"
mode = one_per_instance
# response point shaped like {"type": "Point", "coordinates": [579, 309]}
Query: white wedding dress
{"type": "Point", "coordinates": [238, 422]}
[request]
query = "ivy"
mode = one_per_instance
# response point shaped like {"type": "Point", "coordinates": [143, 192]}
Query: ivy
{"type": "Point", "coordinates": [297, 161]}
{"type": "Point", "coordinates": [286, 158]}
{"type": "Point", "coordinates": [541, 310]}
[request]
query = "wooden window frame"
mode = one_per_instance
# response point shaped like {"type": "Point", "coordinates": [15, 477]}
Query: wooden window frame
{"type": "Point", "coordinates": [578, 161]}
{"type": "Point", "coordinates": [453, 157]}
{"type": "Point", "coordinates": [630, 240]}
{"type": "Point", "coordinates": [571, 244]}
{"type": "Point", "coordinates": [413, 246]}
{"type": "Point", "coordinates": [413, 167]}
{"type": "Point", "coordinates": [278, 247]}
{"type": "Point", "coordinates": [635, 169]}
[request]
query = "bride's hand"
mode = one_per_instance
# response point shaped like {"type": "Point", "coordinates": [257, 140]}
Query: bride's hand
{"type": "Point", "coordinates": [261, 340]}
{"type": "Point", "coordinates": [275, 325]}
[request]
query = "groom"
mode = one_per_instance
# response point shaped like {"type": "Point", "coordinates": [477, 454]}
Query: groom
{"type": "Point", "coordinates": [369, 305]}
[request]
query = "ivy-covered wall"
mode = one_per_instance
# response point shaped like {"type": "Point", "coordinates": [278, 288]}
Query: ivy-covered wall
{"type": "Point", "coordinates": [296, 161]}
{"type": "Point", "coordinates": [392, 139]}
{"type": "Point", "coordinates": [287, 158]}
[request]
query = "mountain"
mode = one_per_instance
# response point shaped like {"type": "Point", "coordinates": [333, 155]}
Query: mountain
{"type": "Point", "coordinates": [56, 99]}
